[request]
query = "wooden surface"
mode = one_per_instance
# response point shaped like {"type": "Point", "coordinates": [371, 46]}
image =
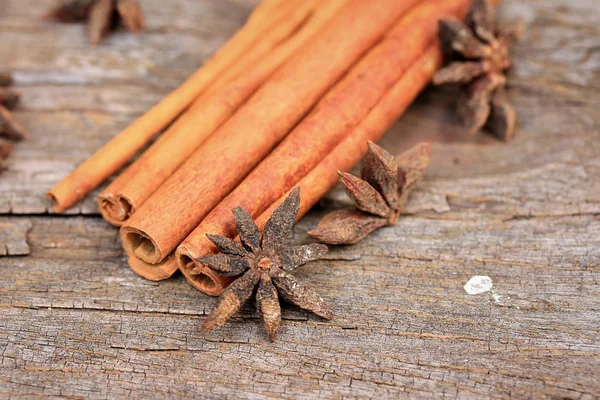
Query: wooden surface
{"type": "Point", "coordinates": [77, 323]}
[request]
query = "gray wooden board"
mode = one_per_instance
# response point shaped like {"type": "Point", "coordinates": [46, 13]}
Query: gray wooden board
{"type": "Point", "coordinates": [77, 323]}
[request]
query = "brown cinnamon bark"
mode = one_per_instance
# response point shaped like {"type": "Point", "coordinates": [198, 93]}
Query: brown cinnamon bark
{"type": "Point", "coordinates": [158, 272]}
{"type": "Point", "coordinates": [333, 119]}
{"type": "Point", "coordinates": [122, 147]}
{"type": "Point", "coordinates": [241, 143]}
{"type": "Point", "coordinates": [133, 187]}
{"type": "Point", "coordinates": [324, 176]}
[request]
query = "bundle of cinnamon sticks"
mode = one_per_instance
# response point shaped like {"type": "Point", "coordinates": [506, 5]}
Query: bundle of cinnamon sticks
{"type": "Point", "coordinates": [293, 97]}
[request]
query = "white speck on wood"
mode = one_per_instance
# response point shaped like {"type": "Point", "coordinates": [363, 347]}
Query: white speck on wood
{"type": "Point", "coordinates": [499, 299]}
{"type": "Point", "coordinates": [479, 284]}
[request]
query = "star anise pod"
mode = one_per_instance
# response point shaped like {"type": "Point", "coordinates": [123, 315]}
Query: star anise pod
{"type": "Point", "coordinates": [380, 196]}
{"type": "Point", "coordinates": [9, 127]}
{"type": "Point", "coordinates": [478, 51]}
{"type": "Point", "coordinates": [263, 261]}
{"type": "Point", "coordinates": [102, 15]}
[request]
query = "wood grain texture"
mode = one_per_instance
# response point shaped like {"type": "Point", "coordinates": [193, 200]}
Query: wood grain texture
{"type": "Point", "coordinates": [13, 236]}
{"type": "Point", "coordinates": [76, 322]}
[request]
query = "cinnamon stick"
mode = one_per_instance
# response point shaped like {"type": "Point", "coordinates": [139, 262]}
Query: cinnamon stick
{"type": "Point", "coordinates": [324, 176]}
{"type": "Point", "coordinates": [333, 119]}
{"type": "Point", "coordinates": [246, 138]}
{"type": "Point", "coordinates": [122, 147]}
{"type": "Point", "coordinates": [159, 272]}
{"type": "Point", "coordinates": [132, 188]}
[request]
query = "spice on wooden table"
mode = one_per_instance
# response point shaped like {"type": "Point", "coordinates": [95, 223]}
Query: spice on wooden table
{"type": "Point", "coordinates": [246, 138]}
{"type": "Point", "coordinates": [478, 51]}
{"type": "Point", "coordinates": [9, 127]}
{"type": "Point", "coordinates": [324, 176]}
{"type": "Point", "coordinates": [264, 260]}
{"type": "Point", "coordinates": [102, 15]}
{"type": "Point", "coordinates": [380, 194]}
{"type": "Point", "coordinates": [331, 120]}
{"type": "Point", "coordinates": [346, 154]}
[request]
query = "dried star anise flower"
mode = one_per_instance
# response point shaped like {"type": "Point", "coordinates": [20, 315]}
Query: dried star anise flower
{"type": "Point", "coordinates": [9, 127]}
{"type": "Point", "coordinates": [102, 15]}
{"type": "Point", "coordinates": [478, 51]}
{"type": "Point", "coordinates": [263, 261]}
{"type": "Point", "coordinates": [380, 195]}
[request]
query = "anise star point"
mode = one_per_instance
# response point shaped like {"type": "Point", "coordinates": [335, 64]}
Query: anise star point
{"type": "Point", "coordinates": [101, 15]}
{"type": "Point", "coordinates": [263, 261]}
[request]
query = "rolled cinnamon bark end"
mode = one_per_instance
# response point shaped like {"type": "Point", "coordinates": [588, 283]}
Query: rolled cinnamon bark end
{"type": "Point", "coordinates": [199, 245]}
{"type": "Point", "coordinates": [115, 208]}
{"type": "Point", "coordinates": [57, 194]}
{"type": "Point", "coordinates": [153, 272]}
{"type": "Point", "coordinates": [201, 277]}
{"type": "Point", "coordinates": [141, 245]}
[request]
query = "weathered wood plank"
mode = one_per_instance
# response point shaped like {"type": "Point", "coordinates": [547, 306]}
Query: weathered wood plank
{"type": "Point", "coordinates": [404, 323]}
{"type": "Point", "coordinates": [13, 237]}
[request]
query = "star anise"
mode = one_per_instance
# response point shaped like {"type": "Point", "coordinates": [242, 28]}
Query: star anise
{"type": "Point", "coordinates": [380, 195]}
{"type": "Point", "coordinates": [478, 51]}
{"type": "Point", "coordinates": [263, 261]}
{"type": "Point", "coordinates": [9, 127]}
{"type": "Point", "coordinates": [102, 15]}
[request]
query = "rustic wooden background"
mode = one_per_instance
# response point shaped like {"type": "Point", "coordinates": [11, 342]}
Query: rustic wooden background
{"type": "Point", "coordinates": [77, 323]}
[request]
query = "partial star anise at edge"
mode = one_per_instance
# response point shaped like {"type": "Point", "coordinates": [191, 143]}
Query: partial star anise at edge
{"type": "Point", "coordinates": [380, 196]}
{"type": "Point", "coordinates": [102, 15]}
{"type": "Point", "coordinates": [10, 128]}
{"type": "Point", "coordinates": [478, 51]}
{"type": "Point", "coordinates": [263, 261]}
